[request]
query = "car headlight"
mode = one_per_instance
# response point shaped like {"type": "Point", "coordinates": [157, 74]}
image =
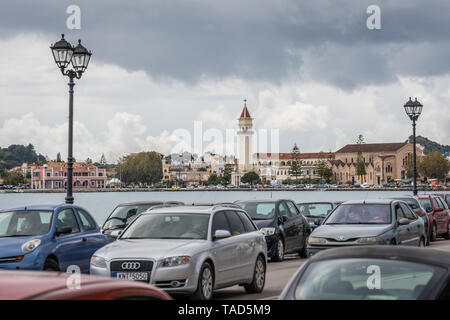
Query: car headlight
{"type": "Point", "coordinates": [268, 231]}
{"type": "Point", "coordinates": [368, 240]}
{"type": "Point", "coordinates": [316, 240]}
{"type": "Point", "coordinates": [98, 262]}
{"type": "Point", "coordinates": [31, 245]}
{"type": "Point", "coordinates": [175, 261]}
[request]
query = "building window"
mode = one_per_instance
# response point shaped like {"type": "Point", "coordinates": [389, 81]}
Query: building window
{"type": "Point", "coordinates": [100, 174]}
{"type": "Point", "coordinates": [56, 174]}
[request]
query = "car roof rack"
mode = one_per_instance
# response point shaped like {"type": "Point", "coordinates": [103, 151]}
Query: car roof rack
{"type": "Point", "coordinates": [164, 205]}
{"type": "Point", "coordinates": [218, 204]}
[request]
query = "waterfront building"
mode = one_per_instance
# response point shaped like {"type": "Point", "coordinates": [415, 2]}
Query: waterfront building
{"type": "Point", "coordinates": [384, 162]}
{"type": "Point", "coordinates": [53, 175]}
{"type": "Point", "coordinates": [275, 167]}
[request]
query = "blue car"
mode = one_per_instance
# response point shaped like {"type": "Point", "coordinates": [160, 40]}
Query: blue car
{"type": "Point", "coordinates": [48, 237]}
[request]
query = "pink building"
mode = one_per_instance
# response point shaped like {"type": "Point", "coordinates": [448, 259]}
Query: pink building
{"type": "Point", "coordinates": [53, 175]}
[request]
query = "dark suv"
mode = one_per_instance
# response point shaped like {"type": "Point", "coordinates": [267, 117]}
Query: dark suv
{"type": "Point", "coordinates": [124, 213]}
{"type": "Point", "coordinates": [285, 228]}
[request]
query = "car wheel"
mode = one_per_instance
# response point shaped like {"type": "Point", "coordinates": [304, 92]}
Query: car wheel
{"type": "Point", "coordinates": [433, 232]}
{"type": "Point", "coordinates": [447, 234]}
{"type": "Point", "coordinates": [205, 284]}
{"type": "Point", "coordinates": [279, 252]}
{"type": "Point", "coordinates": [422, 243]}
{"type": "Point", "coordinates": [51, 265]}
{"type": "Point", "coordinates": [259, 277]}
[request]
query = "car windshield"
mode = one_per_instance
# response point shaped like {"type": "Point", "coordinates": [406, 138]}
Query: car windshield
{"type": "Point", "coordinates": [122, 215]}
{"type": "Point", "coordinates": [259, 210]}
{"type": "Point", "coordinates": [168, 226]}
{"type": "Point", "coordinates": [361, 214]}
{"type": "Point", "coordinates": [426, 203]}
{"type": "Point", "coordinates": [315, 209]}
{"type": "Point", "coordinates": [365, 279]}
{"type": "Point", "coordinates": [25, 223]}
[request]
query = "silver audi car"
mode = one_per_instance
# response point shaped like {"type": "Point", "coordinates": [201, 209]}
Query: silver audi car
{"type": "Point", "coordinates": [188, 250]}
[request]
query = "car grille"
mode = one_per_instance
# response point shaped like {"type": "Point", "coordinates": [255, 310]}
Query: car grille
{"type": "Point", "coordinates": [331, 240]}
{"type": "Point", "coordinates": [11, 259]}
{"type": "Point", "coordinates": [144, 265]}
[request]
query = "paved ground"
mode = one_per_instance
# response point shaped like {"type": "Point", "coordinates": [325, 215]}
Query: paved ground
{"type": "Point", "coordinates": [279, 273]}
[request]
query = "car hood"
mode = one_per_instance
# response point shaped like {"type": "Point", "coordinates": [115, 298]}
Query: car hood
{"type": "Point", "coordinates": [12, 246]}
{"type": "Point", "coordinates": [349, 231]}
{"type": "Point", "coordinates": [263, 223]}
{"type": "Point", "coordinates": [150, 248]}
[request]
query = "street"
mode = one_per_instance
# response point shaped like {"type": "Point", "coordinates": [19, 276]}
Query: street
{"type": "Point", "coordinates": [278, 274]}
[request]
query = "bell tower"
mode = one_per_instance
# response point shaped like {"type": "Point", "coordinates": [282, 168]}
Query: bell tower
{"type": "Point", "coordinates": [245, 133]}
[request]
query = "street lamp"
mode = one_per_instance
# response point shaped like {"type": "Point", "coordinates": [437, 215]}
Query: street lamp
{"type": "Point", "coordinates": [64, 54]}
{"type": "Point", "coordinates": [413, 110]}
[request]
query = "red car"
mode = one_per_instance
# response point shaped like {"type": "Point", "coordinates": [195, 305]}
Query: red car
{"type": "Point", "coordinates": [439, 214]}
{"type": "Point", "coordinates": [20, 285]}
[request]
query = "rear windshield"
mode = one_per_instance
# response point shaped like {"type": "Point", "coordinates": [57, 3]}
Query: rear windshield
{"type": "Point", "coordinates": [122, 215]}
{"type": "Point", "coordinates": [315, 209]}
{"type": "Point", "coordinates": [361, 214]}
{"type": "Point", "coordinates": [365, 279]}
{"type": "Point", "coordinates": [25, 223]}
{"type": "Point", "coordinates": [259, 211]}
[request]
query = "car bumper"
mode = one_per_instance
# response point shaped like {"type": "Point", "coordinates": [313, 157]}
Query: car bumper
{"type": "Point", "coordinates": [30, 261]}
{"type": "Point", "coordinates": [312, 250]}
{"type": "Point", "coordinates": [180, 279]}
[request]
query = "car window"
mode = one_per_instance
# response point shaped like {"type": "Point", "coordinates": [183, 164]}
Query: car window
{"type": "Point", "coordinates": [442, 203]}
{"type": "Point", "coordinates": [399, 213]}
{"type": "Point", "coordinates": [25, 223]}
{"type": "Point", "coordinates": [315, 209]}
{"type": "Point", "coordinates": [236, 225]}
{"type": "Point", "coordinates": [352, 279]}
{"type": "Point", "coordinates": [248, 225]}
{"type": "Point", "coordinates": [292, 209]}
{"type": "Point", "coordinates": [408, 213]}
{"type": "Point", "coordinates": [436, 203]}
{"type": "Point", "coordinates": [426, 204]}
{"type": "Point", "coordinates": [364, 213]}
{"type": "Point", "coordinates": [66, 218]}
{"type": "Point", "coordinates": [283, 210]}
{"type": "Point", "coordinates": [86, 220]}
{"type": "Point", "coordinates": [448, 200]}
{"type": "Point", "coordinates": [259, 211]}
{"type": "Point", "coordinates": [220, 222]}
{"type": "Point", "coordinates": [412, 203]}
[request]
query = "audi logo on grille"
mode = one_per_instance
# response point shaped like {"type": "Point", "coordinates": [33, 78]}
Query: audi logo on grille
{"type": "Point", "coordinates": [131, 266]}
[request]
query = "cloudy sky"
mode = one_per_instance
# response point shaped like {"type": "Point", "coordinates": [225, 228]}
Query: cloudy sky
{"type": "Point", "coordinates": [311, 69]}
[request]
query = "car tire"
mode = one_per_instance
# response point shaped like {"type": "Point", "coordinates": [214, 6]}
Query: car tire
{"type": "Point", "coordinates": [393, 242]}
{"type": "Point", "coordinates": [205, 286]}
{"type": "Point", "coordinates": [279, 251]}
{"type": "Point", "coordinates": [303, 253]}
{"type": "Point", "coordinates": [433, 232]}
{"type": "Point", "coordinates": [51, 265]}
{"type": "Point", "coordinates": [447, 234]}
{"type": "Point", "coordinates": [259, 277]}
{"type": "Point", "coordinates": [422, 242]}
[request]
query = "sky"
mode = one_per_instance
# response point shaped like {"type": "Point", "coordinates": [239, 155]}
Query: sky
{"type": "Point", "coordinates": [312, 70]}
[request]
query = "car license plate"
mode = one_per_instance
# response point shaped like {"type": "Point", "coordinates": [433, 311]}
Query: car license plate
{"type": "Point", "coordinates": [136, 276]}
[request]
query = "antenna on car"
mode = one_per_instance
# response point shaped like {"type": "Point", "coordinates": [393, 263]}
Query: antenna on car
{"type": "Point", "coordinates": [365, 198]}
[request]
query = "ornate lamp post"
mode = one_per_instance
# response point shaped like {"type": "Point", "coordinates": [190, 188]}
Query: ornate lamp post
{"type": "Point", "coordinates": [64, 54]}
{"type": "Point", "coordinates": [413, 110]}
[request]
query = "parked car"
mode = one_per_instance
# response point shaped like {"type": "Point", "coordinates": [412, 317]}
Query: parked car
{"type": "Point", "coordinates": [48, 237]}
{"type": "Point", "coordinates": [316, 212]}
{"type": "Point", "coordinates": [188, 250]}
{"type": "Point", "coordinates": [415, 205]}
{"type": "Point", "coordinates": [285, 228]}
{"type": "Point", "coordinates": [439, 216]}
{"type": "Point", "coordinates": [405, 273]}
{"type": "Point", "coordinates": [354, 223]}
{"type": "Point", "coordinates": [33, 285]}
{"type": "Point", "coordinates": [124, 213]}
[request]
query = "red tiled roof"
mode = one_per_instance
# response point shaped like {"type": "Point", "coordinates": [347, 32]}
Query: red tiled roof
{"type": "Point", "coordinates": [245, 114]}
{"type": "Point", "coordinates": [372, 147]}
{"type": "Point", "coordinates": [287, 156]}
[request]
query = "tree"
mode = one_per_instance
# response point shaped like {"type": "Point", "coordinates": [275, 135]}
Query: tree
{"type": "Point", "coordinates": [214, 179]}
{"type": "Point", "coordinates": [13, 178]}
{"type": "Point", "coordinates": [360, 163]}
{"type": "Point", "coordinates": [408, 166]}
{"type": "Point", "coordinates": [434, 165]}
{"type": "Point", "coordinates": [360, 139]}
{"type": "Point", "coordinates": [325, 173]}
{"type": "Point", "coordinates": [251, 178]}
{"type": "Point", "coordinates": [58, 157]}
{"type": "Point", "coordinates": [88, 161]}
{"type": "Point", "coordinates": [227, 173]}
{"type": "Point", "coordinates": [296, 163]}
{"type": "Point", "coordinates": [103, 162]}
{"type": "Point", "coordinates": [143, 167]}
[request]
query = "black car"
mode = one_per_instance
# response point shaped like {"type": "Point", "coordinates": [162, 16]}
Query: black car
{"type": "Point", "coordinates": [285, 228]}
{"type": "Point", "coordinates": [372, 273]}
{"type": "Point", "coordinates": [316, 211]}
{"type": "Point", "coordinates": [124, 213]}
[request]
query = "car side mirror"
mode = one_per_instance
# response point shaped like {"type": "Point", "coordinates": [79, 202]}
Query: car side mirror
{"type": "Point", "coordinates": [63, 230]}
{"type": "Point", "coordinates": [221, 234]}
{"type": "Point", "coordinates": [115, 233]}
{"type": "Point", "coordinates": [429, 209]}
{"type": "Point", "coordinates": [282, 219]}
{"type": "Point", "coordinates": [403, 222]}
{"type": "Point", "coordinates": [317, 222]}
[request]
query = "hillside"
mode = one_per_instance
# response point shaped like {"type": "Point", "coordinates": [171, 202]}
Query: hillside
{"type": "Point", "coordinates": [430, 146]}
{"type": "Point", "coordinates": [16, 154]}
